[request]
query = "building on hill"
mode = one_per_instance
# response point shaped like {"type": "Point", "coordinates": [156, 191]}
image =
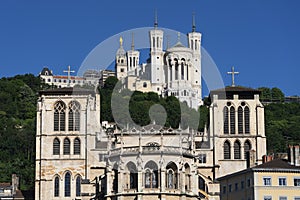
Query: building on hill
{"type": "Point", "coordinates": [10, 191]}
{"type": "Point", "coordinates": [175, 71]}
{"type": "Point", "coordinates": [90, 77]}
{"type": "Point", "coordinates": [276, 179]}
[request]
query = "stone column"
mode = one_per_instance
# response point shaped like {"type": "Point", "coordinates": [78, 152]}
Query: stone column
{"type": "Point", "coordinates": [162, 179]}
{"type": "Point", "coordinates": [179, 69]}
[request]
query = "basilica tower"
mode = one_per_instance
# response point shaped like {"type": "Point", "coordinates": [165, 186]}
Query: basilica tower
{"type": "Point", "coordinates": [156, 46]}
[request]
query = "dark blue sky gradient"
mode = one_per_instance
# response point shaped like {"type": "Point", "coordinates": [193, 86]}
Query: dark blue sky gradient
{"type": "Point", "coordinates": [260, 38]}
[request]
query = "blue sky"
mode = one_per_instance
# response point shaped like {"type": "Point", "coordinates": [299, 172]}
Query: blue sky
{"type": "Point", "coordinates": [260, 38]}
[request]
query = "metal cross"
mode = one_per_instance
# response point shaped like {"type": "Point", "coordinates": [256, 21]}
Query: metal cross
{"type": "Point", "coordinates": [69, 72]}
{"type": "Point", "coordinates": [232, 75]}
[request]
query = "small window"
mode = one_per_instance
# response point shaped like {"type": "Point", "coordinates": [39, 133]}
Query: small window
{"type": "Point", "coordinates": [56, 147]}
{"type": "Point", "coordinates": [202, 158]}
{"type": "Point", "coordinates": [236, 186]}
{"type": "Point", "coordinates": [267, 198]}
{"type": "Point", "coordinates": [248, 182]}
{"type": "Point", "coordinates": [229, 188]}
{"type": "Point", "coordinates": [67, 184]}
{"type": "Point", "coordinates": [144, 84]}
{"type": "Point", "coordinates": [77, 146]}
{"type": "Point", "coordinates": [224, 189]}
{"type": "Point", "coordinates": [242, 184]}
{"type": "Point", "coordinates": [66, 146]}
{"type": "Point", "coordinates": [122, 69]}
{"type": "Point", "coordinates": [296, 181]}
{"type": "Point", "coordinates": [282, 181]}
{"type": "Point", "coordinates": [282, 198]}
{"type": "Point", "coordinates": [267, 181]}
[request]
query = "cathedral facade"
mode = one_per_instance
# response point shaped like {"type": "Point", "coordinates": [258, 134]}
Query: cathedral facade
{"type": "Point", "coordinates": [77, 158]}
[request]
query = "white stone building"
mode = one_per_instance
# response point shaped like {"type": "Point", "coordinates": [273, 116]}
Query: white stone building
{"type": "Point", "coordinates": [175, 71]}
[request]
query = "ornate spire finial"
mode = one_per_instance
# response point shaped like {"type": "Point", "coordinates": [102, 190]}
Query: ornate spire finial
{"type": "Point", "coordinates": [155, 19]}
{"type": "Point", "coordinates": [132, 41]}
{"type": "Point", "coordinates": [193, 23]}
{"type": "Point", "coordinates": [121, 41]}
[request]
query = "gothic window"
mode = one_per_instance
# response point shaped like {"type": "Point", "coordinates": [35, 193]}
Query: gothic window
{"type": "Point", "coordinates": [56, 186]}
{"type": "Point", "coordinates": [232, 120]}
{"type": "Point", "coordinates": [237, 150]}
{"type": "Point", "coordinates": [74, 116]}
{"type": "Point", "coordinates": [157, 41]}
{"type": "Point", "coordinates": [226, 121]}
{"type": "Point", "coordinates": [130, 61]}
{"type": "Point", "coordinates": [201, 183]}
{"type": "Point", "coordinates": [76, 146]}
{"type": "Point", "coordinates": [227, 150]}
{"type": "Point", "coordinates": [66, 146]}
{"type": "Point", "coordinates": [115, 181]}
{"type": "Point", "coordinates": [56, 146]}
{"type": "Point", "coordinates": [247, 119]}
{"type": "Point", "coordinates": [68, 184]}
{"type": "Point", "coordinates": [192, 44]}
{"type": "Point", "coordinates": [133, 176]}
{"type": "Point", "coordinates": [240, 120]}
{"type": "Point", "coordinates": [59, 116]}
{"type": "Point", "coordinates": [78, 186]}
{"type": "Point", "coordinates": [187, 177]}
{"type": "Point", "coordinates": [247, 148]}
{"type": "Point", "coordinates": [151, 175]}
{"type": "Point", "coordinates": [196, 45]}
{"type": "Point", "coordinates": [171, 176]}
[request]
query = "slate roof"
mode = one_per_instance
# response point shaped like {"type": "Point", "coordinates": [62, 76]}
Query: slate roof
{"type": "Point", "coordinates": [228, 92]}
{"type": "Point", "coordinates": [67, 91]}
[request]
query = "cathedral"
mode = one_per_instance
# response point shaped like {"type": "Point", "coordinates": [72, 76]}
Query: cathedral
{"type": "Point", "coordinates": [78, 157]}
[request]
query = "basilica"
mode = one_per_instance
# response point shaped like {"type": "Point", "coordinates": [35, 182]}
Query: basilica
{"type": "Point", "coordinates": [80, 157]}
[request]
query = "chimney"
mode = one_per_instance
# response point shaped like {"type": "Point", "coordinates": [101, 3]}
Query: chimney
{"type": "Point", "coordinates": [14, 183]}
{"type": "Point", "coordinates": [291, 154]}
{"type": "Point", "coordinates": [296, 155]}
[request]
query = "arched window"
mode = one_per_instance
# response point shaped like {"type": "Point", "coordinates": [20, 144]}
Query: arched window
{"type": "Point", "coordinates": [182, 70]}
{"type": "Point", "coordinates": [133, 178]}
{"type": "Point", "coordinates": [151, 175]}
{"type": "Point", "coordinates": [247, 119]}
{"type": "Point", "coordinates": [76, 146]}
{"type": "Point", "coordinates": [56, 146]}
{"type": "Point", "coordinates": [78, 186]}
{"type": "Point", "coordinates": [74, 116]}
{"type": "Point", "coordinates": [171, 176]}
{"type": "Point", "coordinates": [176, 69]}
{"type": "Point", "coordinates": [232, 120]}
{"type": "Point", "coordinates": [247, 148]}
{"type": "Point", "coordinates": [226, 121]}
{"type": "Point", "coordinates": [59, 116]}
{"type": "Point", "coordinates": [227, 150]}
{"type": "Point", "coordinates": [187, 177]}
{"type": "Point", "coordinates": [240, 120]}
{"type": "Point", "coordinates": [237, 150]}
{"type": "Point", "coordinates": [66, 146]}
{"type": "Point", "coordinates": [201, 183]}
{"type": "Point", "coordinates": [68, 184]}
{"type": "Point", "coordinates": [56, 186]}
{"type": "Point", "coordinates": [187, 72]}
{"type": "Point", "coordinates": [144, 84]}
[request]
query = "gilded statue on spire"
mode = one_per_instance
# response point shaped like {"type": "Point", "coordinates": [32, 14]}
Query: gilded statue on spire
{"type": "Point", "coordinates": [121, 41]}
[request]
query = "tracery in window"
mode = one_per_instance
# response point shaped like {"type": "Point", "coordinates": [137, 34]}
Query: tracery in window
{"type": "Point", "coordinates": [171, 176]}
{"type": "Point", "coordinates": [74, 116]}
{"type": "Point", "coordinates": [59, 116]}
{"type": "Point", "coordinates": [151, 175]}
{"type": "Point", "coordinates": [56, 146]}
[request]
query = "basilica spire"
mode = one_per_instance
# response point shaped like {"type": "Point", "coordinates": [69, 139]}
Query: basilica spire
{"type": "Point", "coordinates": [132, 41]}
{"type": "Point", "coordinates": [193, 23]}
{"type": "Point", "coordinates": [155, 19]}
